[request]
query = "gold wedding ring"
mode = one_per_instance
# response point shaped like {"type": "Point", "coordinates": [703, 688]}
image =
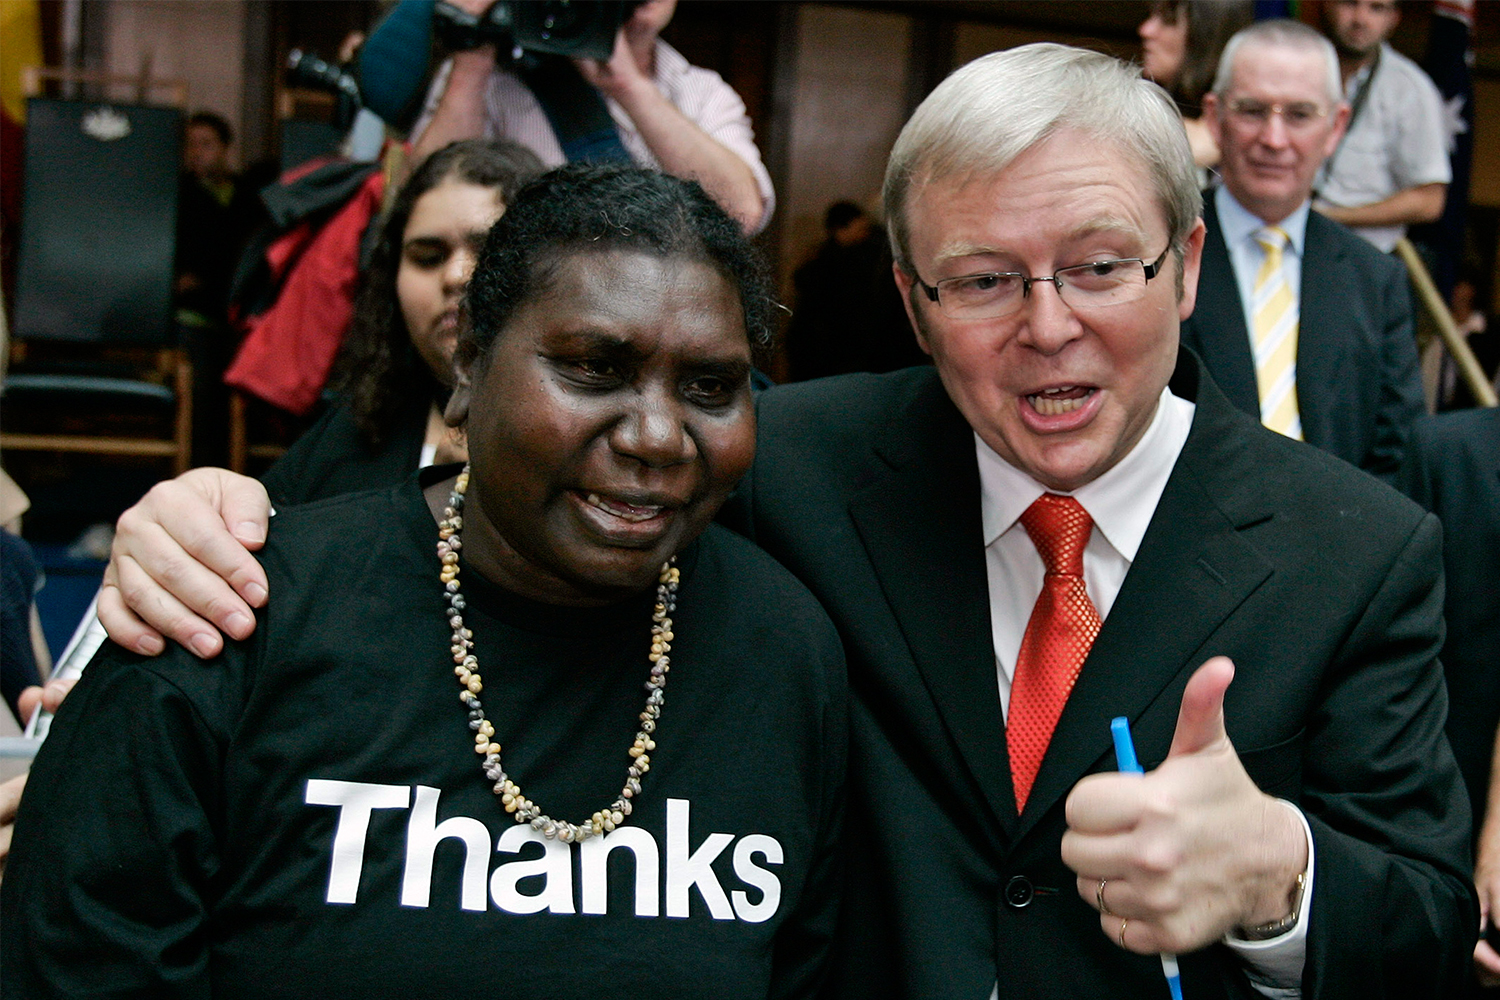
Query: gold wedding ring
{"type": "Point", "coordinates": [1123, 924]}
{"type": "Point", "coordinates": [1099, 898]}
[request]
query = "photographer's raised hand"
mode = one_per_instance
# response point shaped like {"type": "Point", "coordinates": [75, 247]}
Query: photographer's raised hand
{"type": "Point", "coordinates": [678, 143]}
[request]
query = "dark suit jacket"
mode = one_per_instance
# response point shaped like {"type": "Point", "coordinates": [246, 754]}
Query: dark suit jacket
{"type": "Point", "coordinates": [1453, 469]}
{"type": "Point", "coordinates": [1359, 387]}
{"type": "Point", "coordinates": [1322, 584]}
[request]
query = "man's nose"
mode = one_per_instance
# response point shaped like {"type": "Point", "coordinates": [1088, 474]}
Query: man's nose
{"type": "Point", "coordinates": [1048, 322]}
{"type": "Point", "coordinates": [1274, 133]}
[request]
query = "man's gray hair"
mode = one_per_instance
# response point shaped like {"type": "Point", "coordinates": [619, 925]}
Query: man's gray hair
{"type": "Point", "coordinates": [1285, 34]}
{"type": "Point", "coordinates": [989, 112]}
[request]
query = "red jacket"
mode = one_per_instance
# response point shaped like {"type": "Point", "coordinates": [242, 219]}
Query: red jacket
{"type": "Point", "coordinates": [289, 349]}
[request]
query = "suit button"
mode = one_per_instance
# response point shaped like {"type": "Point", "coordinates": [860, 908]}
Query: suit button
{"type": "Point", "coordinates": [1018, 891]}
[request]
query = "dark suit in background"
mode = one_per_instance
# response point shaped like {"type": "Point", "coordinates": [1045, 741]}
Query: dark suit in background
{"type": "Point", "coordinates": [1359, 387]}
{"type": "Point", "coordinates": [1321, 584]}
{"type": "Point", "coordinates": [1453, 469]}
{"type": "Point", "coordinates": [848, 315]}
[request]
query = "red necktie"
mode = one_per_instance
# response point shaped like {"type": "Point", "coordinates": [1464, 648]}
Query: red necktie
{"type": "Point", "coordinates": [1063, 626]}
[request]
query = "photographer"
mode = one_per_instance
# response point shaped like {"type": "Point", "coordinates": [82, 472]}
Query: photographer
{"type": "Point", "coordinates": [681, 118]}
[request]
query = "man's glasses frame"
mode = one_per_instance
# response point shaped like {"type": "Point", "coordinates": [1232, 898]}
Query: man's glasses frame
{"type": "Point", "coordinates": [1064, 278]}
{"type": "Point", "coordinates": [1297, 116]}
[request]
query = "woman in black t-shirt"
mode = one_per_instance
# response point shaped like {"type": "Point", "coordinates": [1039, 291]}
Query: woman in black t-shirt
{"type": "Point", "coordinates": [418, 776]}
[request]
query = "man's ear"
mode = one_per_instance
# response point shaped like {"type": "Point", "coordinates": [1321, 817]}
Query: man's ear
{"type": "Point", "coordinates": [1211, 119]}
{"type": "Point", "coordinates": [457, 411]}
{"type": "Point", "coordinates": [906, 282]}
{"type": "Point", "coordinates": [1192, 259]}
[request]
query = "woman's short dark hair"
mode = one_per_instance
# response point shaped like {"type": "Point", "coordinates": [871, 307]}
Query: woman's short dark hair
{"type": "Point", "coordinates": [584, 208]}
{"type": "Point", "coordinates": [378, 368]}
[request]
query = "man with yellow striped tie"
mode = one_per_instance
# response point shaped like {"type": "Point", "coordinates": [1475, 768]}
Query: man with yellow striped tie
{"type": "Point", "coordinates": [1300, 322]}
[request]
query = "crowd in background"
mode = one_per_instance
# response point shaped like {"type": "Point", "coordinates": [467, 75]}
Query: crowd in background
{"type": "Point", "coordinates": [1313, 158]}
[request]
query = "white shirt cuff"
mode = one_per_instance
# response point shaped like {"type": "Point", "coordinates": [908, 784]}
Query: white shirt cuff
{"type": "Point", "coordinates": [1275, 965]}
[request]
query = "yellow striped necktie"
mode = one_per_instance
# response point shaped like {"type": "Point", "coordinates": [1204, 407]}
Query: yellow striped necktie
{"type": "Point", "coordinates": [1274, 338]}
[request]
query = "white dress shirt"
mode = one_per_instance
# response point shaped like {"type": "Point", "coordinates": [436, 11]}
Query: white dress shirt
{"type": "Point", "coordinates": [1121, 502]}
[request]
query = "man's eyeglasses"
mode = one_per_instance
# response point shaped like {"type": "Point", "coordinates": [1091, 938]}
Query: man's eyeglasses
{"type": "Point", "coordinates": [1084, 287]}
{"type": "Point", "coordinates": [1298, 116]}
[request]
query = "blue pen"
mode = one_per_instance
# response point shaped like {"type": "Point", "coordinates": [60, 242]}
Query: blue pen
{"type": "Point", "coordinates": [1119, 728]}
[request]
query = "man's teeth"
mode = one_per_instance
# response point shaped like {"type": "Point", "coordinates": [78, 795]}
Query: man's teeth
{"type": "Point", "coordinates": [1048, 405]}
{"type": "Point", "coordinates": [625, 511]}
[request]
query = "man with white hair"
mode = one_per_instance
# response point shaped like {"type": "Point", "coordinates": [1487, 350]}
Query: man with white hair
{"type": "Point", "coordinates": [1302, 324]}
{"type": "Point", "coordinates": [1063, 521]}
{"type": "Point", "coordinates": [1059, 524]}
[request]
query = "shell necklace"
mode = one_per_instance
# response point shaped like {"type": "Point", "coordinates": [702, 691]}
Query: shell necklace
{"type": "Point", "coordinates": [466, 668]}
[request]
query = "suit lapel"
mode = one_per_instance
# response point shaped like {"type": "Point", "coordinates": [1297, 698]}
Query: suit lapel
{"type": "Point", "coordinates": [1219, 320]}
{"type": "Point", "coordinates": [921, 528]}
{"type": "Point", "coordinates": [1192, 571]}
{"type": "Point", "coordinates": [1322, 345]}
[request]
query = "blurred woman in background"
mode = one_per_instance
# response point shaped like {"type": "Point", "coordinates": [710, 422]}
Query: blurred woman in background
{"type": "Point", "coordinates": [395, 371]}
{"type": "Point", "coordinates": [1181, 42]}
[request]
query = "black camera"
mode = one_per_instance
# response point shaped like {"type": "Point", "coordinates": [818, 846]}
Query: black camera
{"type": "Point", "coordinates": [306, 69]}
{"type": "Point", "coordinates": [581, 29]}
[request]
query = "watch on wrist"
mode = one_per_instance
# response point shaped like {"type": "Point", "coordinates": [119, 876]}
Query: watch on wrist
{"type": "Point", "coordinates": [1276, 928]}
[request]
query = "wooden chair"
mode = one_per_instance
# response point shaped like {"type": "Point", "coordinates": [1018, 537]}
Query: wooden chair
{"type": "Point", "coordinates": [95, 341]}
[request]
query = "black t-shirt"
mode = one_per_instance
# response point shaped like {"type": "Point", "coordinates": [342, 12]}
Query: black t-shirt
{"type": "Point", "coordinates": [307, 816]}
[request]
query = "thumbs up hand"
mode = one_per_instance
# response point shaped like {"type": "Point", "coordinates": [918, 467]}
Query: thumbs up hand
{"type": "Point", "coordinates": [1192, 850]}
